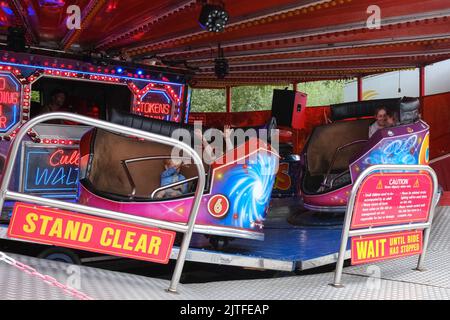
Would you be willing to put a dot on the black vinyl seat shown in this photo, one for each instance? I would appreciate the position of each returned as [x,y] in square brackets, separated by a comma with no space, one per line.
[162,127]
[407,109]
[167,128]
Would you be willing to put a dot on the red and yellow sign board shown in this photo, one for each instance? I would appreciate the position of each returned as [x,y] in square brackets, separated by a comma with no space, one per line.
[367,249]
[393,198]
[79,231]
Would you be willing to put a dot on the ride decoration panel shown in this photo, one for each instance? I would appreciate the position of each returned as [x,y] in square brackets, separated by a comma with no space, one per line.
[156,90]
[157,101]
[10,93]
[239,196]
[287,179]
[10,100]
[50,170]
[406,144]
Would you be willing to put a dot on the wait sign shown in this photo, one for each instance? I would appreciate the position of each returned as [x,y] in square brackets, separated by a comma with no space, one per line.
[368,249]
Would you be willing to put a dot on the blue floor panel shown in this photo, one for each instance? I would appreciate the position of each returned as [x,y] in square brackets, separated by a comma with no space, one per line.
[284,242]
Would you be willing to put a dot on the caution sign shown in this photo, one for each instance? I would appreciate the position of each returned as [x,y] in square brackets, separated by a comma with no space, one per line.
[79,231]
[393,198]
[366,249]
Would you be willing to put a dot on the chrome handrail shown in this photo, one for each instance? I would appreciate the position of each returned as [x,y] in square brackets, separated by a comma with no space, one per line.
[167,186]
[139,159]
[187,228]
[333,160]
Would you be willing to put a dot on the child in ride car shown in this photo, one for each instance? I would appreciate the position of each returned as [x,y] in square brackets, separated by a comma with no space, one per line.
[170,175]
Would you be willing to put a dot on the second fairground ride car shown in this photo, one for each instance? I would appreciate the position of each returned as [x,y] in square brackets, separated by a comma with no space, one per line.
[336,153]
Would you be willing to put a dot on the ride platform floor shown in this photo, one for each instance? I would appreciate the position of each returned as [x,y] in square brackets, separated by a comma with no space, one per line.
[391,280]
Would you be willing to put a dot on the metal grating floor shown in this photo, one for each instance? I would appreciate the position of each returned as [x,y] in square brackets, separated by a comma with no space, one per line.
[395,280]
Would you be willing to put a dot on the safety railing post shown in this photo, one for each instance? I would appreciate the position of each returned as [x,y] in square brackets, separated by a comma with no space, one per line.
[347,233]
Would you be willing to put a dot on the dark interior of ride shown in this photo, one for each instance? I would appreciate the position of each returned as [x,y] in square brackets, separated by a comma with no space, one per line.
[91,99]
[331,148]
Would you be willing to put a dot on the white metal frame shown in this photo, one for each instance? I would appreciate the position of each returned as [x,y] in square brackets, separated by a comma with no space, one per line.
[346,232]
[187,228]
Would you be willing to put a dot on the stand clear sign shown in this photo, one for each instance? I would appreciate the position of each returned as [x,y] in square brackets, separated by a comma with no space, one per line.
[83,232]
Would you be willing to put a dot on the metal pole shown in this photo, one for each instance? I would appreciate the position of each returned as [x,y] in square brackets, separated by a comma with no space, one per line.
[426,234]
[344,238]
[360,88]
[228,99]
[421,81]
[12,155]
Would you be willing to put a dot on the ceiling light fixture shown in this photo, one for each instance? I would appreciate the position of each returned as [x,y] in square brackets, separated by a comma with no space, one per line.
[213,17]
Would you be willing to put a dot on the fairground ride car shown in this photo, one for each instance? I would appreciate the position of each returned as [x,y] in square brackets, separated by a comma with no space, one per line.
[335,154]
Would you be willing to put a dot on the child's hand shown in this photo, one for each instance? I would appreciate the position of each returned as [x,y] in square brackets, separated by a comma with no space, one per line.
[227,131]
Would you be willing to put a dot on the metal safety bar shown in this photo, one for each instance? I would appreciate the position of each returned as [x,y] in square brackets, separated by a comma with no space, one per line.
[171,185]
[333,160]
[140,159]
[346,232]
[187,228]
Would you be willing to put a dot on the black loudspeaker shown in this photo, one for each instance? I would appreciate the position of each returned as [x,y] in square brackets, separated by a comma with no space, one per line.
[288,108]
[16,39]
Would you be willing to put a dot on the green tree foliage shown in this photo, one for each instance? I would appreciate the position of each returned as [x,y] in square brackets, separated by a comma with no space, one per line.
[208,100]
[323,93]
[254,98]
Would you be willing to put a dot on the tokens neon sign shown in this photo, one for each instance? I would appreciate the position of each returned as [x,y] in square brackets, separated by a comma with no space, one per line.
[155,108]
[154,104]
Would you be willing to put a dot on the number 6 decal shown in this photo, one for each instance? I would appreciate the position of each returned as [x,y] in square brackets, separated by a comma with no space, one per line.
[218,206]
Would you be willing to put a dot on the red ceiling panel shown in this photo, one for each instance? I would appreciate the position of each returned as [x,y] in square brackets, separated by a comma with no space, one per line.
[280,29]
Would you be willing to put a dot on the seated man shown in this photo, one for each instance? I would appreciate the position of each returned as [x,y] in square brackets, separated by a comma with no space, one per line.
[380,123]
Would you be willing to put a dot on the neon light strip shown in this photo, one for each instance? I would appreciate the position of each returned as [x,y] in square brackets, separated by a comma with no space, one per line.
[72,196]
[88,73]
[188,105]
[159,92]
